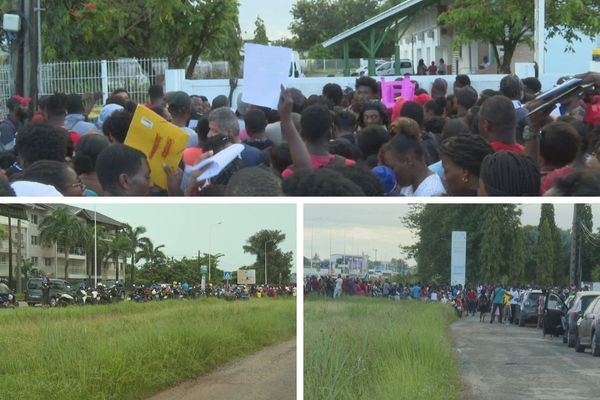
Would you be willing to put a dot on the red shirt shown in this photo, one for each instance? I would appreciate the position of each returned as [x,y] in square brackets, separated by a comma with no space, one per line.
[498,146]
[318,162]
[548,179]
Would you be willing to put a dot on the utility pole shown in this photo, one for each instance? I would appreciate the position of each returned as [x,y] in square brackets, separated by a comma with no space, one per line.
[540,31]
[573,246]
[25,54]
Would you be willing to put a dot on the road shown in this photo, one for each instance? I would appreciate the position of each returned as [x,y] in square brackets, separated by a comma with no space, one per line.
[509,362]
[268,374]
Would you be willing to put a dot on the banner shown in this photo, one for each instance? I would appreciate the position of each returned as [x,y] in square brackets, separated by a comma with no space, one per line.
[458,258]
[246,277]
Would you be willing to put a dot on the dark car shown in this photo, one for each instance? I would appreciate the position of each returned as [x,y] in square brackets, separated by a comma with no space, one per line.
[580,303]
[33,293]
[526,310]
[588,328]
[555,310]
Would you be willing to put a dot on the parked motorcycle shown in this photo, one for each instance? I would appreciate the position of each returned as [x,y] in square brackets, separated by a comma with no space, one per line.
[8,300]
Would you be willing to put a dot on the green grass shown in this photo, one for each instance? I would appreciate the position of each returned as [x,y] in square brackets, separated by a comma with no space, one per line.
[365,348]
[128,350]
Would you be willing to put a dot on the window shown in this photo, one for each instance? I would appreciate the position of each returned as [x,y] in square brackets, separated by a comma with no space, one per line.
[3,259]
[47,262]
[34,219]
[34,260]
[35,240]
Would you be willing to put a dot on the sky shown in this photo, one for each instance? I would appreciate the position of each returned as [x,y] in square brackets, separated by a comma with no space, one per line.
[363,228]
[184,228]
[275,13]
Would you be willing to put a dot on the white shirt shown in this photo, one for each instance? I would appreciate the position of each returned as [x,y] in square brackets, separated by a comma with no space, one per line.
[434,296]
[431,186]
[338,283]
[515,297]
[192,137]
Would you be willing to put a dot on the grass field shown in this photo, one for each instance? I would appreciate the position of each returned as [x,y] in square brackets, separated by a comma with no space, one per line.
[365,348]
[130,351]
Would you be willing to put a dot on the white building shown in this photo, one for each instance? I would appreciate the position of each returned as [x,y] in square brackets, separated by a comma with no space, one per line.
[423,38]
[52,259]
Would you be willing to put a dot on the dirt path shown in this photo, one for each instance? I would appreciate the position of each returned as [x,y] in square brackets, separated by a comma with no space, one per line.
[509,362]
[268,374]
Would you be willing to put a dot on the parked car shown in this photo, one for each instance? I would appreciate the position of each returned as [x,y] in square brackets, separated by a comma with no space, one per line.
[388,68]
[555,311]
[526,311]
[588,328]
[580,303]
[33,293]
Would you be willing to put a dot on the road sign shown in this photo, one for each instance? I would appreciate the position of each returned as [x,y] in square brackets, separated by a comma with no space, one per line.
[227,275]
[203,270]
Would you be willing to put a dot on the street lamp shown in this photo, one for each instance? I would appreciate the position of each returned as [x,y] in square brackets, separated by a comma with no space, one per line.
[210,245]
[267,241]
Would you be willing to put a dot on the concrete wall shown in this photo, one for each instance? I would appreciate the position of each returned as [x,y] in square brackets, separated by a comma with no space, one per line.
[175,80]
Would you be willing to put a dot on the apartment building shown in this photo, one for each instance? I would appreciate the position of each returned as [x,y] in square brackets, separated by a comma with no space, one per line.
[52,259]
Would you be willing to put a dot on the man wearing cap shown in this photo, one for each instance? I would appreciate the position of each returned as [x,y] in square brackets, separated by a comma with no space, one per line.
[17,114]
[180,108]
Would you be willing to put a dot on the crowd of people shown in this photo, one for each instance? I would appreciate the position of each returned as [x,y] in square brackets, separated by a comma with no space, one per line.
[498,301]
[344,142]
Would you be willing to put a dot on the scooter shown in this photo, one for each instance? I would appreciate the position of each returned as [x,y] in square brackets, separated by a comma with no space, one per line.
[9,300]
[62,300]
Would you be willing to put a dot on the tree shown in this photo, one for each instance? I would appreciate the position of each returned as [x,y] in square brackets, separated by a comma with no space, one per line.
[585,226]
[64,229]
[153,255]
[495,243]
[318,20]
[118,248]
[508,23]
[260,32]
[182,31]
[549,248]
[136,241]
[278,263]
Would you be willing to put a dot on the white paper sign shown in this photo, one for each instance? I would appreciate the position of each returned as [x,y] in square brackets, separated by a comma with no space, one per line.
[218,162]
[266,68]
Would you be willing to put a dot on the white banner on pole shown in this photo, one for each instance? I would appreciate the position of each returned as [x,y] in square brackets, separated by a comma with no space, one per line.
[458,258]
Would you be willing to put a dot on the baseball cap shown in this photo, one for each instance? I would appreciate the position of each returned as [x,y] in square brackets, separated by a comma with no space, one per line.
[16,100]
[179,100]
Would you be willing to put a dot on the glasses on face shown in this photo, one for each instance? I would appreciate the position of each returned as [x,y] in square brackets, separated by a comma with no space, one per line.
[79,184]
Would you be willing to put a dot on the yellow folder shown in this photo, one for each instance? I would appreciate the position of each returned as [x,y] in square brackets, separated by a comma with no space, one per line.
[161,142]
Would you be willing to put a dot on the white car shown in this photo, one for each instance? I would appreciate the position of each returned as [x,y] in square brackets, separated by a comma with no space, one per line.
[387,68]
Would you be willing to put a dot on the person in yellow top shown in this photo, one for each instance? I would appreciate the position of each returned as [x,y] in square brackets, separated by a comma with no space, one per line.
[506,300]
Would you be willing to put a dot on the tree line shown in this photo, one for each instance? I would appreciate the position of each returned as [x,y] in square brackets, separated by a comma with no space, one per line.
[499,248]
[143,261]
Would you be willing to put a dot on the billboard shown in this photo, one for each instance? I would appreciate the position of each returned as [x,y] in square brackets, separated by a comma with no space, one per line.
[246,277]
[458,258]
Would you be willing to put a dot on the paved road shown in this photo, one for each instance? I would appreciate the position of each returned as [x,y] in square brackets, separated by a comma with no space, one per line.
[509,362]
[267,374]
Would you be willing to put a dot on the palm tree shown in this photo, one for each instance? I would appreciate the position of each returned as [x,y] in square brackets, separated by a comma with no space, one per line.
[152,255]
[118,248]
[64,229]
[135,242]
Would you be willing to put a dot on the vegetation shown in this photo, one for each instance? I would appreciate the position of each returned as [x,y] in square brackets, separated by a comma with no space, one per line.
[260,32]
[182,31]
[131,351]
[318,20]
[508,23]
[63,228]
[365,348]
[279,264]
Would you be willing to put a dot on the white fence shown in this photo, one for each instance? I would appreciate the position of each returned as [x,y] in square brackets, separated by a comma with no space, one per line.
[5,88]
[102,77]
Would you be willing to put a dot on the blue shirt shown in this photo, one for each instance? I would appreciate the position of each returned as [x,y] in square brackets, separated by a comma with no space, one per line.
[499,295]
[416,292]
